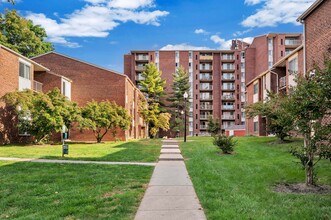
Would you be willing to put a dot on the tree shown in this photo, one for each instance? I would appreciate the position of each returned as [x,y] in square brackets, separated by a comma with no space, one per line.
[104,116]
[177,103]
[42,114]
[22,35]
[274,108]
[214,126]
[153,87]
[310,105]
[225,143]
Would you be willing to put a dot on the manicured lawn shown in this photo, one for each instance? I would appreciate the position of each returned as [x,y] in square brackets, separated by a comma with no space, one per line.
[137,151]
[240,186]
[71,191]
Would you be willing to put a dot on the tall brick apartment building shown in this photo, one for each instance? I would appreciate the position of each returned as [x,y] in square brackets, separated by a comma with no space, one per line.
[216,78]
[317,32]
[272,62]
[90,82]
[16,73]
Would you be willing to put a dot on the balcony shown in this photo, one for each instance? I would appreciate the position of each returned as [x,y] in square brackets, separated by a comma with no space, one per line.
[206,57]
[228,117]
[206,97]
[228,107]
[204,117]
[228,88]
[228,78]
[228,97]
[206,107]
[206,87]
[282,82]
[140,68]
[37,86]
[206,68]
[292,42]
[227,57]
[203,127]
[141,57]
[140,77]
[206,78]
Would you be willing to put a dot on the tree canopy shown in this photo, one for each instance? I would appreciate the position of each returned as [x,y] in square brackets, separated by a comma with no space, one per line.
[22,36]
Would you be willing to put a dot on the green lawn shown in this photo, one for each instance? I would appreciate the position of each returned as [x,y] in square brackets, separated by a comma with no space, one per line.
[137,151]
[71,191]
[240,186]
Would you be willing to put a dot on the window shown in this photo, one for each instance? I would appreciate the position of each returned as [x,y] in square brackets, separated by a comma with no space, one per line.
[256,125]
[196,116]
[64,88]
[189,64]
[156,55]
[190,55]
[293,66]
[281,53]
[24,71]
[256,88]
[281,41]
[151,57]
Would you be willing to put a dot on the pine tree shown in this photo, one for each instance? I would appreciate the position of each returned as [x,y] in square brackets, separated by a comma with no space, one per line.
[177,103]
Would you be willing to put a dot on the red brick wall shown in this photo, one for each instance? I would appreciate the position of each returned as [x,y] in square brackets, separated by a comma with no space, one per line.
[318,36]
[89,83]
[48,80]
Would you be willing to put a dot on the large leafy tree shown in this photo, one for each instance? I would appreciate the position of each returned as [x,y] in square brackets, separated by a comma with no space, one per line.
[42,114]
[274,108]
[22,36]
[153,87]
[101,117]
[310,105]
[177,103]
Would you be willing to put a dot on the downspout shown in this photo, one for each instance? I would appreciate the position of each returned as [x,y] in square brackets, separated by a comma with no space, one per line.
[304,48]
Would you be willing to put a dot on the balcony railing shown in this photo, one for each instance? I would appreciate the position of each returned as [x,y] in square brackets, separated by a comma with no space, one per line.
[204,87]
[206,97]
[205,67]
[227,57]
[228,107]
[228,117]
[292,42]
[37,86]
[140,68]
[203,126]
[282,82]
[206,107]
[206,57]
[227,77]
[204,117]
[228,97]
[142,57]
[207,78]
[140,77]
[228,88]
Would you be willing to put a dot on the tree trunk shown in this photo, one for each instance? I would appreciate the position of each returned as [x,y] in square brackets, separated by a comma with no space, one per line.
[309,167]
[309,175]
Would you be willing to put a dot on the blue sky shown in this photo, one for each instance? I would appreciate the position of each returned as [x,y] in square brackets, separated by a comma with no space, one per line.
[102,31]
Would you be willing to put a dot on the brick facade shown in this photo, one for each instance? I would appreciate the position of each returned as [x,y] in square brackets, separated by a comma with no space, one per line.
[90,82]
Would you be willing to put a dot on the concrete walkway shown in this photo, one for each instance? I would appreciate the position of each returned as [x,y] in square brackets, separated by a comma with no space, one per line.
[74,161]
[170,194]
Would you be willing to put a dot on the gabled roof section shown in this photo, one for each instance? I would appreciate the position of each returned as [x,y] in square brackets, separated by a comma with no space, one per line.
[81,61]
[310,10]
[37,66]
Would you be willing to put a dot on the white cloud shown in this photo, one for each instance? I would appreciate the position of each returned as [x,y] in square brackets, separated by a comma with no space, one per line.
[274,12]
[97,19]
[240,33]
[200,31]
[62,41]
[183,46]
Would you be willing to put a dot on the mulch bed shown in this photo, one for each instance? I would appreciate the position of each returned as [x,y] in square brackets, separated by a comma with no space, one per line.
[301,188]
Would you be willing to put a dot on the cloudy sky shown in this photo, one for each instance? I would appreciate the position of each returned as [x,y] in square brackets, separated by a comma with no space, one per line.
[102,31]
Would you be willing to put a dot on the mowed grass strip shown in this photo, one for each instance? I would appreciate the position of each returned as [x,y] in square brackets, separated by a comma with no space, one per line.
[71,191]
[131,151]
[240,186]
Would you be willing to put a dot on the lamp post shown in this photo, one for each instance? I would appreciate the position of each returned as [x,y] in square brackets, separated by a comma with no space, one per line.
[185,99]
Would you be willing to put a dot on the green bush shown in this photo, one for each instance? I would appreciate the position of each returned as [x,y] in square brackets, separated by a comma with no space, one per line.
[225,143]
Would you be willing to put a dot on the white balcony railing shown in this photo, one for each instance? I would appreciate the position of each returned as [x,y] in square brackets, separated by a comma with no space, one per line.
[206,57]
[292,42]
[206,87]
[204,117]
[140,68]
[225,77]
[227,57]
[203,126]
[140,77]
[228,117]
[228,107]
[202,77]
[142,57]
[206,97]
[37,86]
[228,97]
[206,107]
[228,88]
[203,67]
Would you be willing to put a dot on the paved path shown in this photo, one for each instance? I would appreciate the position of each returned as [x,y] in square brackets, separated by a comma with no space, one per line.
[74,161]
[170,194]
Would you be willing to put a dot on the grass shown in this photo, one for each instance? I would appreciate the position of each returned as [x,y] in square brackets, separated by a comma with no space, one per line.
[137,151]
[240,186]
[70,191]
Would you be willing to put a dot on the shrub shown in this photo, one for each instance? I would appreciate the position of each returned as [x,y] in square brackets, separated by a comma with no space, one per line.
[225,143]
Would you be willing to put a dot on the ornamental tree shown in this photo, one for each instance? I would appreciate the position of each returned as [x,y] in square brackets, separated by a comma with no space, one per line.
[22,36]
[102,117]
[310,105]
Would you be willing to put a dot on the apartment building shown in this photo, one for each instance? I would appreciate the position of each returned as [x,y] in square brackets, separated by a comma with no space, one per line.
[317,33]
[272,63]
[90,82]
[16,74]
[216,78]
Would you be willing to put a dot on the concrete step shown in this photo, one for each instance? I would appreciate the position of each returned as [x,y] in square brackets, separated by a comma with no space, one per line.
[170,151]
[171,157]
[170,147]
